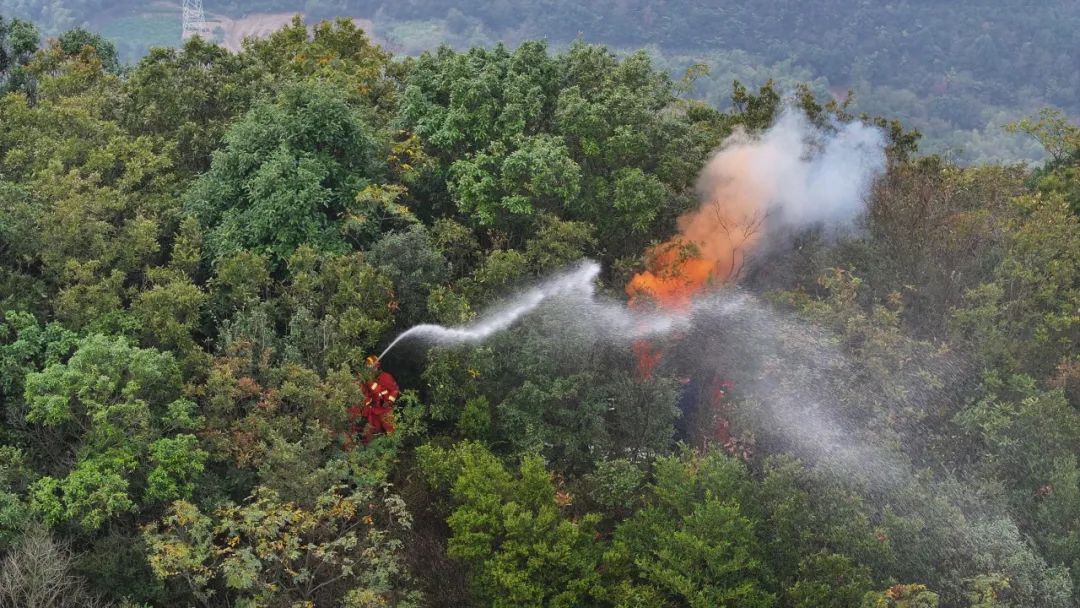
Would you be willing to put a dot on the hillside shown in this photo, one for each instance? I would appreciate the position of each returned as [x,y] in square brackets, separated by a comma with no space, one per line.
[955,71]
[314,324]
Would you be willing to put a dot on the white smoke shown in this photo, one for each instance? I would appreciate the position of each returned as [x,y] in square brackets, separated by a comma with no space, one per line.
[797,174]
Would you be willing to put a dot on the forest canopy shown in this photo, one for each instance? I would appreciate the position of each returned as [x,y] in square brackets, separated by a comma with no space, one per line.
[198,251]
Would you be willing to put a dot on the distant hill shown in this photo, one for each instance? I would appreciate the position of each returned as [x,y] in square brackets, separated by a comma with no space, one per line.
[958,72]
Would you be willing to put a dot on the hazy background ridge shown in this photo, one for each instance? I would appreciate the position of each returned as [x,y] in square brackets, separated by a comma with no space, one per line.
[957,73]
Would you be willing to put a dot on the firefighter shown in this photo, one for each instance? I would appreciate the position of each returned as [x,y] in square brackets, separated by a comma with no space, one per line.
[380,392]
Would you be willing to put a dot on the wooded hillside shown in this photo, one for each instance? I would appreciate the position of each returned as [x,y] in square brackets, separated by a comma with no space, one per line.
[198,251]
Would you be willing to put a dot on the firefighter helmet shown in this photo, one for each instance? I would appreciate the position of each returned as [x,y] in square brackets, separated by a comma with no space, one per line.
[371,361]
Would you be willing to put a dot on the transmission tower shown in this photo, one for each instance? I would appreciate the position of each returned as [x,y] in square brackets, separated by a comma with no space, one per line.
[194,20]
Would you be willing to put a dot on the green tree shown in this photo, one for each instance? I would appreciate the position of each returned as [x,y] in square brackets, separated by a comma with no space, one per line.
[902,596]
[1028,439]
[557,388]
[15,477]
[509,528]
[72,42]
[818,535]
[124,425]
[21,286]
[693,543]
[170,314]
[339,307]
[410,260]
[27,346]
[1051,127]
[1025,318]
[827,580]
[335,52]
[290,170]
[535,174]
[18,42]
[99,198]
[582,135]
[189,96]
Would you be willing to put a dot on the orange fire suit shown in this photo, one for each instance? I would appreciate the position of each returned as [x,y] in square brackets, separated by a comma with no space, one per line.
[377,413]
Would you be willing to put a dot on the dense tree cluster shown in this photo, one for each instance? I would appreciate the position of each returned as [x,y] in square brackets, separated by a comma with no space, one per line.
[197,252]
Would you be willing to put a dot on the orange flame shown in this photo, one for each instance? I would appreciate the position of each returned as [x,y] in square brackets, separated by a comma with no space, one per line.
[710,248]
[675,273]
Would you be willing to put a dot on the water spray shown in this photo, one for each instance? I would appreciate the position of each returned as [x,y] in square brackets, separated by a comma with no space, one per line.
[577,280]
[573,293]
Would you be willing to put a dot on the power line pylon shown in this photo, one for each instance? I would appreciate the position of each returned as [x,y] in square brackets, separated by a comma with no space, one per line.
[194,20]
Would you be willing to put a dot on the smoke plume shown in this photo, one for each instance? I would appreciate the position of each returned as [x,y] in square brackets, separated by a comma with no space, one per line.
[795,175]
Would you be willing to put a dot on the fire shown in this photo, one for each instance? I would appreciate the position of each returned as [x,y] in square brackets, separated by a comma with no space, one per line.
[710,250]
[675,273]
[712,243]
[648,355]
